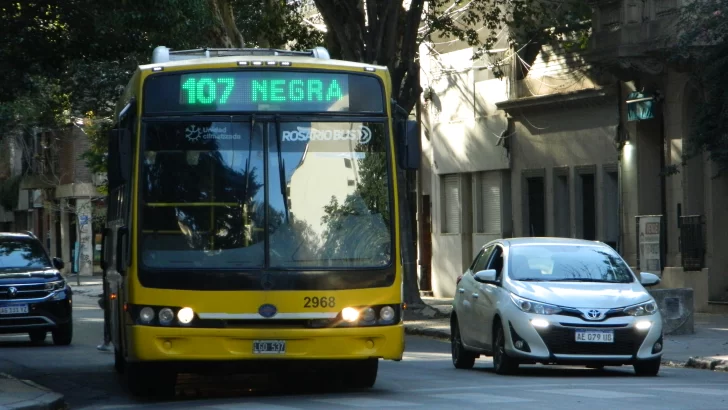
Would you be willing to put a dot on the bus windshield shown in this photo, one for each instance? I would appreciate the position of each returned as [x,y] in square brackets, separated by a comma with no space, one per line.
[229,194]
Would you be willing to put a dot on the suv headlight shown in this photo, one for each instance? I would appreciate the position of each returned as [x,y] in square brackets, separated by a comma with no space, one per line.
[54,286]
[530,306]
[643,309]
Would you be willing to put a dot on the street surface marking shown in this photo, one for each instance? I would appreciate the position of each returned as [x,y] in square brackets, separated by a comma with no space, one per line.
[694,390]
[594,394]
[480,398]
[365,402]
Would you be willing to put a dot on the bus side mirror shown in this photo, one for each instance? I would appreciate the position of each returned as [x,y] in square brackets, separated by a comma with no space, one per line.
[408,144]
[121,249]
[104,238]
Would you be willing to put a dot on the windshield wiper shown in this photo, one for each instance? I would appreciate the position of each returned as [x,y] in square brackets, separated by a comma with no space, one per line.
[281,166]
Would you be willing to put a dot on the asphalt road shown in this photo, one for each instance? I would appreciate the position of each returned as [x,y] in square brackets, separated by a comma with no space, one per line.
[425,379]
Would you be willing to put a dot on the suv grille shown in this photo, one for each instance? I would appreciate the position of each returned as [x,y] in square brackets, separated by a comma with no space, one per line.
[34,291]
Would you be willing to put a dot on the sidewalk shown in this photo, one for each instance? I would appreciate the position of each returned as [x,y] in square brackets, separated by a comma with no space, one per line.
[707,348]
[16,394]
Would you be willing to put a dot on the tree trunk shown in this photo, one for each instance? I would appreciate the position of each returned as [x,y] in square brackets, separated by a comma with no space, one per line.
[225,32]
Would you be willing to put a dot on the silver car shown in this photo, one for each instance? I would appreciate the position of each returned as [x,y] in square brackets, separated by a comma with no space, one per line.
[555,301]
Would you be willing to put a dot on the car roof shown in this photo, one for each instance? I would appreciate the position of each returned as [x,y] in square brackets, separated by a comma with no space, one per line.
[550,241]
[17,235]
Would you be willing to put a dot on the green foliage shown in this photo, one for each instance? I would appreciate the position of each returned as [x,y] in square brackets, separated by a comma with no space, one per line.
[702,46]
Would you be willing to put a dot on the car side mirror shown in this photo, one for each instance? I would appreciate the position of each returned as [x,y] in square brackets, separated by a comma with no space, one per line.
[649,279]
[58,263]
[485,276]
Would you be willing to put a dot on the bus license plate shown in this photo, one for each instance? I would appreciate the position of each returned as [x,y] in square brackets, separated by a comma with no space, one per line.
[269,347]
[13,310]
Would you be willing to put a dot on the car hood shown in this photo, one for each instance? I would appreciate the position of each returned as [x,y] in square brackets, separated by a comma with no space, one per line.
[28,275]
[582,294]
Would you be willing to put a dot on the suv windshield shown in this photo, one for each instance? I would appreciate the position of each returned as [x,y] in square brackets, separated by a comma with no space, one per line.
[222,194]
[19,253]
[567,263]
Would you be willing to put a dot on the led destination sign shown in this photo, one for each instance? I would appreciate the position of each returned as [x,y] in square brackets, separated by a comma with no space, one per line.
[263,91]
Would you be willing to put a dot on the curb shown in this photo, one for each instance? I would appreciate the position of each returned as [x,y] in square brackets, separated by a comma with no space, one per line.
[427,331]
[707,364]
[47,400]
[692,363]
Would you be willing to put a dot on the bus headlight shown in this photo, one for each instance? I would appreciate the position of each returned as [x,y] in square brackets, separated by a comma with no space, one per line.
[369,315]
[146,315]
[166,316]
[386,314]
[185,315]
[350,314]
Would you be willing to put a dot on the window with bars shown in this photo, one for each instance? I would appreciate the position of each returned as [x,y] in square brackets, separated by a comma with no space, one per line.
[451,203]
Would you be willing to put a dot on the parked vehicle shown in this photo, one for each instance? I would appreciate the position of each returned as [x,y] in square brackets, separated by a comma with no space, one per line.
[34,297]
[555,301]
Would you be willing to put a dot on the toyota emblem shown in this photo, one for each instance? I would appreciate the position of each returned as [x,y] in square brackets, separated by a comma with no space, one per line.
[593,314]
[12,292]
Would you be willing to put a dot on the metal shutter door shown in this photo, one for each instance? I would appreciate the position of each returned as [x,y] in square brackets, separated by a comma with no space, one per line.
[490,202]
[451,190]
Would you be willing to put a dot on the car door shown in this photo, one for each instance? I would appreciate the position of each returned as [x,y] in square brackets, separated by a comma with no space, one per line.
[486,299]
[469,324]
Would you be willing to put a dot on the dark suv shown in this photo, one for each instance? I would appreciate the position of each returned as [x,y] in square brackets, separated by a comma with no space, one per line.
[34,297]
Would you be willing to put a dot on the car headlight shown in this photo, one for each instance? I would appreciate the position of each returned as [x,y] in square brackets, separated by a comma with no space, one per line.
[643,309]
[530,306]
[54,286]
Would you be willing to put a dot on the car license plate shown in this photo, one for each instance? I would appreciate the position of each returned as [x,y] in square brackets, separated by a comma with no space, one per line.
[594,336]
[13,309]
[269,347]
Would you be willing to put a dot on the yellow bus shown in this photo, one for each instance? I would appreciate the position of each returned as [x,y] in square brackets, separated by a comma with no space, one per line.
[252,217]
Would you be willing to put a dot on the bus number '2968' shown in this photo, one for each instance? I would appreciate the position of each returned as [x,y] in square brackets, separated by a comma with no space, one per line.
[315,302]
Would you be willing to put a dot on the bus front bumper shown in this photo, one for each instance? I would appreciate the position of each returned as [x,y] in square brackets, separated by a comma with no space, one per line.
[149,343]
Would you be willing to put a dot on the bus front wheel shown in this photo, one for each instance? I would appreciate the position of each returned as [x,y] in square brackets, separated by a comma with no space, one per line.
[145,380]
[363,374]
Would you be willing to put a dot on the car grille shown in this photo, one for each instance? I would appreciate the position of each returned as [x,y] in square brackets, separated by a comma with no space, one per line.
[561,340]
[35,291]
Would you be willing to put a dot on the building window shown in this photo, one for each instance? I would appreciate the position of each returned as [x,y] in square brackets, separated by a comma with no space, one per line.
[586,221]
[347,162]
[534,221]
[451,203]
[562,203]
[488,202]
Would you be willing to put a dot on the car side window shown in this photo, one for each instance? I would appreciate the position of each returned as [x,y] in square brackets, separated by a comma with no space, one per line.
[496,262]
[480,262]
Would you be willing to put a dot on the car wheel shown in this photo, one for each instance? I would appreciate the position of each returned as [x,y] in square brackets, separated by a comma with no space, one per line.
[143,380]
[37,336]
[63,335]
[461,358]
[647,367]
[363,374]
[502,363]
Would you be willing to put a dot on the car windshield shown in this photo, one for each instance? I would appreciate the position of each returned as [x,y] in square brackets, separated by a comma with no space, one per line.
[18,253]
[567,263]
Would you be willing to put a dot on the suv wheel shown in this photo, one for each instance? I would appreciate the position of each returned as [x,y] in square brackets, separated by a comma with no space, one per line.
[63,335]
